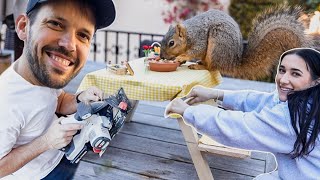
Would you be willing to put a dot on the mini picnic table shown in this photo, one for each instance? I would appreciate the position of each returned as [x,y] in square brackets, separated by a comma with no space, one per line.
[162,86]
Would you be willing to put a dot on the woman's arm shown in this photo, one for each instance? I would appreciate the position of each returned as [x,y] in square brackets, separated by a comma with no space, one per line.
[247,100]
[268,130]
[244,100]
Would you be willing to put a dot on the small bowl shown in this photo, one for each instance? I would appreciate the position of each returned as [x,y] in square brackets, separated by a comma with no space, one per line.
[163,66]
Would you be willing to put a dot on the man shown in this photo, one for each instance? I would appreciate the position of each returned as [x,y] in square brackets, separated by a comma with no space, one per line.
[57,36]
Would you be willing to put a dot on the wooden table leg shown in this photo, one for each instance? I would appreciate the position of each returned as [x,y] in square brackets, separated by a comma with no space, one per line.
[199,161]
[134,104]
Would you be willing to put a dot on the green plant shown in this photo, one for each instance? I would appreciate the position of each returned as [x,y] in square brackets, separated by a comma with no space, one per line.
[244,11]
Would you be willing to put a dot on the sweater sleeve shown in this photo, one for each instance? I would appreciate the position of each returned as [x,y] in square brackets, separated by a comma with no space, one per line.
[268,130]
[247,100]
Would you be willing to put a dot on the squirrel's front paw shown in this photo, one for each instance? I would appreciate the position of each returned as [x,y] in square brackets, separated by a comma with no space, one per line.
[180,59]
[197,67]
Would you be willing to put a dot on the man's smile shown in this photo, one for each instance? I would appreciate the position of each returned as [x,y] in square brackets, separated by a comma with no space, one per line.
[60,61]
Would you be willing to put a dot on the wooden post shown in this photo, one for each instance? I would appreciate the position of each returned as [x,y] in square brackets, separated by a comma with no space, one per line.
[198,159]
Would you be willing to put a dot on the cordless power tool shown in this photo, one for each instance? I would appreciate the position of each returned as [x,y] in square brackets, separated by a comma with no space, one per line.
[102,120]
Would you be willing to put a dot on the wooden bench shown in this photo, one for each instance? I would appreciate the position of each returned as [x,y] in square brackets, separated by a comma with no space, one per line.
[199,146]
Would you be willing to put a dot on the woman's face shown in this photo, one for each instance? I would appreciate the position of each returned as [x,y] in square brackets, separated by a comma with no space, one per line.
[293,74]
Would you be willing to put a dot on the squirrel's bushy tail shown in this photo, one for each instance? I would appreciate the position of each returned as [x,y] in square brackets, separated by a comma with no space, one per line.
[274,31]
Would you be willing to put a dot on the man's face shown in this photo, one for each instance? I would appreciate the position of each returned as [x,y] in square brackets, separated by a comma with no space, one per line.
[58,42]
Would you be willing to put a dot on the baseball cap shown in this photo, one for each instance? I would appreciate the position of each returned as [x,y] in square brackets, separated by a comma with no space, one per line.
[104,11]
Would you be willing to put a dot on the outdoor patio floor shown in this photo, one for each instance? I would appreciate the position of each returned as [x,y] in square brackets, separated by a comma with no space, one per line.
[152,147]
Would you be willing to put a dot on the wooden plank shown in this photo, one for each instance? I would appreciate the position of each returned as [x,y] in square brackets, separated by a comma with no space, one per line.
[156,103]
[152,166]
[143,164]
[177,152]
[198,159]
[155,121]
[89,170]
[153,118]
[224,151]
[153,132]
[172,124]
[168,135]
[152,110]
[207,144]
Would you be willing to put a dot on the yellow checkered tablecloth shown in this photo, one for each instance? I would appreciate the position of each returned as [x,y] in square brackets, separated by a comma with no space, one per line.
[151,85]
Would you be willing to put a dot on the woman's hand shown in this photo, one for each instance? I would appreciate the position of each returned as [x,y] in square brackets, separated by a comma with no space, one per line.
[202,94]
[91,94]
[177,106]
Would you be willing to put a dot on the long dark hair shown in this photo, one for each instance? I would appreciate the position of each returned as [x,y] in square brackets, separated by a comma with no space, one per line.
[304,105]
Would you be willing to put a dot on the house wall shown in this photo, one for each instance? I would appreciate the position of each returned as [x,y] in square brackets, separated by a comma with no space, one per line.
[140,16]
[143,16]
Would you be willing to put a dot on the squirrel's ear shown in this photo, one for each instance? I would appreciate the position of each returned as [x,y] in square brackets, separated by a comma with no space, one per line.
[181,30]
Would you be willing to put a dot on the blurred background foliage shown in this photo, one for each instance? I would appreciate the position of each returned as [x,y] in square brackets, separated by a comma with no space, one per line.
[243,11]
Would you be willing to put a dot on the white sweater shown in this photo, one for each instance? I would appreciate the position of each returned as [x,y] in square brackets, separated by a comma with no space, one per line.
[258,121]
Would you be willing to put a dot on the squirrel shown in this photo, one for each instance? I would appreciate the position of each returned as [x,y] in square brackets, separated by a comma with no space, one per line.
[214,38]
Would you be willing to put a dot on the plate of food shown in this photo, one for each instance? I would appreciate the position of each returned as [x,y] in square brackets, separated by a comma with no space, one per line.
[152,54]
[163,65]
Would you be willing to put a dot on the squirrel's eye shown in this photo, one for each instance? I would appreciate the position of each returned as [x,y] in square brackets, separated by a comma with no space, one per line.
[171,43]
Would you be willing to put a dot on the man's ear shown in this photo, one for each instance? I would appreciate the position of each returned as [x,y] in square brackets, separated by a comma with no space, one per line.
[21,26]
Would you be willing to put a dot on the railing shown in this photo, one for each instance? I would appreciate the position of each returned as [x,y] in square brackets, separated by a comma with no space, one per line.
[114,46]
[109,45]
[1,39]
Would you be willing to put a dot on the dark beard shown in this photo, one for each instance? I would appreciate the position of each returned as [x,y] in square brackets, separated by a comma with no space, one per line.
[41,72]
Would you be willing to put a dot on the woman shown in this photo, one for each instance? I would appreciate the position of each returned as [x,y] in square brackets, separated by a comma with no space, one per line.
[285,122]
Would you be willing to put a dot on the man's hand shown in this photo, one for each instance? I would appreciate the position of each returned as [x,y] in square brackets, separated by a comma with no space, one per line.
[91,94]
[67,102]
[56,137]
[60,135]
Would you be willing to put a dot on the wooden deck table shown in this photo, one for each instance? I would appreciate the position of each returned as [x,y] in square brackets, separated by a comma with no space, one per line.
[159,86]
